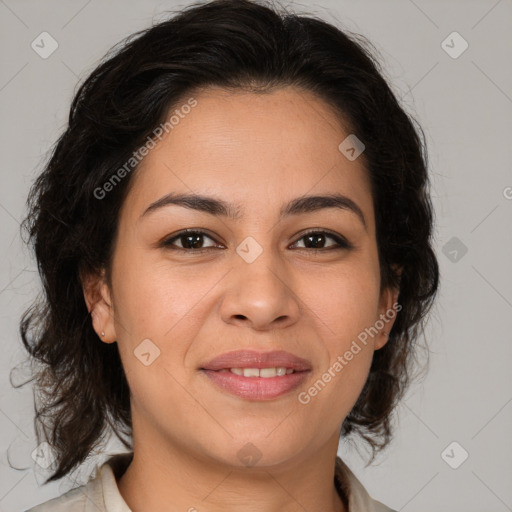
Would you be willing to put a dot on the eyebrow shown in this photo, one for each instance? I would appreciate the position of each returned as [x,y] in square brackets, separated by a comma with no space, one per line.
[218,207]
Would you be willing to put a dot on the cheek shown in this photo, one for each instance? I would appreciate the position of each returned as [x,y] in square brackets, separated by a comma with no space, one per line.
[337,384]
[345,300]
[151,297]
[345,304]
[160,310]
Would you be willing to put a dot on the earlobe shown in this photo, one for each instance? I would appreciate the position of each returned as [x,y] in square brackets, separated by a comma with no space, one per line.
[99,304]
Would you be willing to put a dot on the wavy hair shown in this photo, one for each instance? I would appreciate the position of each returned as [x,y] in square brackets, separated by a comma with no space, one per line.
[235,44]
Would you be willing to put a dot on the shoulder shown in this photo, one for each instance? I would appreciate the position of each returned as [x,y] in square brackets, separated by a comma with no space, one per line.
[358,498]
[100,494]
[73,501]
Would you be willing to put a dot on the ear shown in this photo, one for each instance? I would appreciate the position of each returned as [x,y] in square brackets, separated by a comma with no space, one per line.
[99,304]
[388,310]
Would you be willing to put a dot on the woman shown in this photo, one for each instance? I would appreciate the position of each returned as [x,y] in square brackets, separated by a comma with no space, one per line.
[234,238]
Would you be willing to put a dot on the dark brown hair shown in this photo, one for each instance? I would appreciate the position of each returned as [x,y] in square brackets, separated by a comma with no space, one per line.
[234,44]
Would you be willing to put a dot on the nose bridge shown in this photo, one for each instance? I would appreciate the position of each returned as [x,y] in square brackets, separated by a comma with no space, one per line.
[259,266]
[259,289]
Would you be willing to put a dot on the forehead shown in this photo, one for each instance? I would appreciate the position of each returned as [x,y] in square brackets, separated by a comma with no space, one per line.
[257,148]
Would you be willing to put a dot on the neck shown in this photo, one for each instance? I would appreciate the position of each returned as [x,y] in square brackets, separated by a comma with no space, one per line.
[178,481]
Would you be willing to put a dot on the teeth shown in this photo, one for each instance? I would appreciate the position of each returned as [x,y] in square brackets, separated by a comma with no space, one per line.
[263,372]
[269,372]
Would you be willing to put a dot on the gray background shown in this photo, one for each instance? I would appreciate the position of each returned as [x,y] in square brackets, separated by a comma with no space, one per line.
[464,105]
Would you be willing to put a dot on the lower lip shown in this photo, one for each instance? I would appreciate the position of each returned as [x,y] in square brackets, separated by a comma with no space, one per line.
[256,388]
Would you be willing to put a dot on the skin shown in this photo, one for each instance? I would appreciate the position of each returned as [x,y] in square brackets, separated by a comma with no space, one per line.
[260,150]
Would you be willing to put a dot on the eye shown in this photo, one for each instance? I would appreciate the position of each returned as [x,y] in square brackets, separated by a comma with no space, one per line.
[318,238]
[190,240]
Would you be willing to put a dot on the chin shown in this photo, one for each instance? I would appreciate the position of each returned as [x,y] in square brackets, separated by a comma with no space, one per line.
[258,450]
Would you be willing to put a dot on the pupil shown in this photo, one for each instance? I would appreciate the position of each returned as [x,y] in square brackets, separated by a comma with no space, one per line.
[313,237]
[196,241]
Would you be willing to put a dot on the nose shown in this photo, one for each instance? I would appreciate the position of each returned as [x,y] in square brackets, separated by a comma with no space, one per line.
[260,294]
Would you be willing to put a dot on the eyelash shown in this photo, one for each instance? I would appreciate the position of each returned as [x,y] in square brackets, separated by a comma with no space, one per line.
[341,241]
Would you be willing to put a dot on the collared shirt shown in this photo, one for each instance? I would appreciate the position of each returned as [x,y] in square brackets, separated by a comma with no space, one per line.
[101,493]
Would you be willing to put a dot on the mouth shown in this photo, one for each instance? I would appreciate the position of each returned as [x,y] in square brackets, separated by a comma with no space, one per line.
[259,376]
[264,373]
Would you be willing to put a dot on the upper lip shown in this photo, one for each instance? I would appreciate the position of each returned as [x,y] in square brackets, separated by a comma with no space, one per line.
[256,359]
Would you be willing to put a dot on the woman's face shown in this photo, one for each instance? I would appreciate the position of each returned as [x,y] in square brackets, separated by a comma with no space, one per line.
[254,283]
